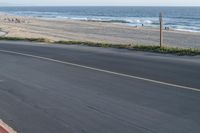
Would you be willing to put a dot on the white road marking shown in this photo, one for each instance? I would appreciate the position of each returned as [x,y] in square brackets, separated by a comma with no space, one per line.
[105,71]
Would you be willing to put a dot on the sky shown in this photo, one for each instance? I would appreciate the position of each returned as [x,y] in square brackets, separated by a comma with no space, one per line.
[100,2]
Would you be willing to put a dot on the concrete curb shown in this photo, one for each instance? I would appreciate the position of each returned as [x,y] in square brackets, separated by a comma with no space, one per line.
[4,128]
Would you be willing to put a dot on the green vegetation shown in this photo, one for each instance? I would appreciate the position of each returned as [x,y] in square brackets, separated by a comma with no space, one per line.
[94,44]
[168,50]
[152,48]
[24,39]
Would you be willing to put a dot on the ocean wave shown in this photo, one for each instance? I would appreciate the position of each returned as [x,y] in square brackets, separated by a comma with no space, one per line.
[115,20]
[186,17]
[187,30]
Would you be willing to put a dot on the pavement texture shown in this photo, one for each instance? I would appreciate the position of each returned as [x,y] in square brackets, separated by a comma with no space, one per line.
[44,96]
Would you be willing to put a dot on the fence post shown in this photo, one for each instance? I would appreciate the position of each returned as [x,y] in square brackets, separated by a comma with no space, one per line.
[161,29]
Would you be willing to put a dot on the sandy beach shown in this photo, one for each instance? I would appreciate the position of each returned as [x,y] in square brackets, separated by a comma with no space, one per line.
[76,30]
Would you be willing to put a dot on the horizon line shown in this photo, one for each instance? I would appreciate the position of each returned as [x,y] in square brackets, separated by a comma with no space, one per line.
[99,6]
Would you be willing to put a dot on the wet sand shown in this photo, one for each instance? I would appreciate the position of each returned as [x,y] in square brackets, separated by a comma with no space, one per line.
[75,30]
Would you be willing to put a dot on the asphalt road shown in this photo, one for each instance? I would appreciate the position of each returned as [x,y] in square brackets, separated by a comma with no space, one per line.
[77,89]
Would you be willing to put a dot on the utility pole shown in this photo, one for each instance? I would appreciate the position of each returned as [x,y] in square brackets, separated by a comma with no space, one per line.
[161,29]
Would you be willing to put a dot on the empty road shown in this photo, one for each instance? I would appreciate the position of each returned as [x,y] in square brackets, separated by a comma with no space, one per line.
[79,89]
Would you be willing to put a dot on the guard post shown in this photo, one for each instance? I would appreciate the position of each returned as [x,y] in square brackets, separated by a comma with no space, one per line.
[161,29]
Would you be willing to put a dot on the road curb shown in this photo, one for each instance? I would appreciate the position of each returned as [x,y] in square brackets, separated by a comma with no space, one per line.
[4,128]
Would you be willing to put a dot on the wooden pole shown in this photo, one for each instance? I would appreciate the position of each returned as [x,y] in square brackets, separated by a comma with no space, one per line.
[161,29]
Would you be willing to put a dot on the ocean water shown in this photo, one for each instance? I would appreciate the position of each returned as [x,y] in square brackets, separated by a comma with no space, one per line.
[177,18]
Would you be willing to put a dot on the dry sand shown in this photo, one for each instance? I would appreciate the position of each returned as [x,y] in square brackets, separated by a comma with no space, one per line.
[75,30]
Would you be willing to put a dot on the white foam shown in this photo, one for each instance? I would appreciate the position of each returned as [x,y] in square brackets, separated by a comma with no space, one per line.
[148,22]
[187,30]
[2,33]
